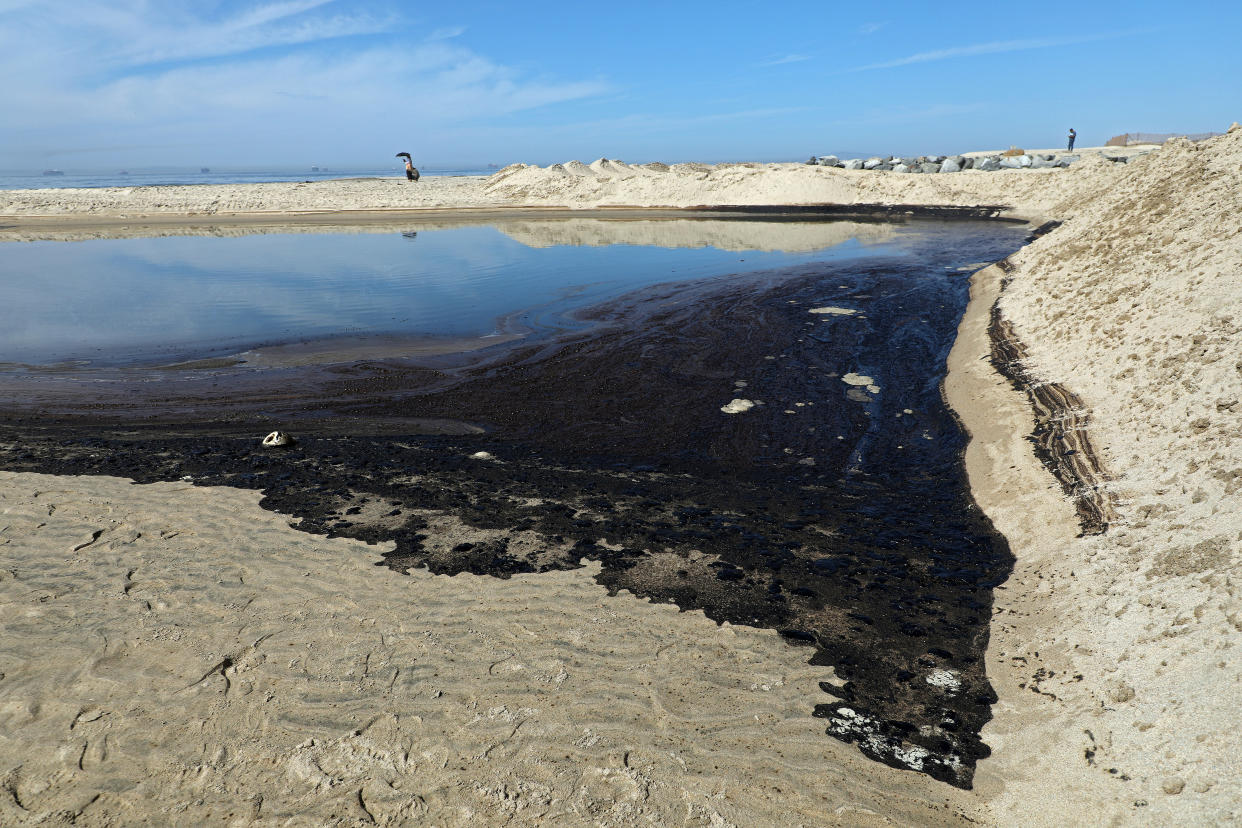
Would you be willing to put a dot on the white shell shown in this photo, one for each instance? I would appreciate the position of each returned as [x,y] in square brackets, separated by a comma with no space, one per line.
[277,438]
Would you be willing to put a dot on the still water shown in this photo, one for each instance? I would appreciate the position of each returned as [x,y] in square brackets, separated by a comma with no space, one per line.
[150,300]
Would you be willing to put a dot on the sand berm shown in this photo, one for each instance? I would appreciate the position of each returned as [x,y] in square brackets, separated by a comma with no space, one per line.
[177,654]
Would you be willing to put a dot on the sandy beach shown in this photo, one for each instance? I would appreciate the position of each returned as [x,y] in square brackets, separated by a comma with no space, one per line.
[174,653]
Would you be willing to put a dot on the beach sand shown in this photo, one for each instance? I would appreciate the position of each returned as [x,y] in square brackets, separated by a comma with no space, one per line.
[177,653]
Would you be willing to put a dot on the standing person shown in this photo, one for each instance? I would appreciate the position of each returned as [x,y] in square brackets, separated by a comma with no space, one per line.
[411,174]
[1072,136]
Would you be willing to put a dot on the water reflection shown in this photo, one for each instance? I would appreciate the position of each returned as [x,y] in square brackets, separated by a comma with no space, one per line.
[200,292]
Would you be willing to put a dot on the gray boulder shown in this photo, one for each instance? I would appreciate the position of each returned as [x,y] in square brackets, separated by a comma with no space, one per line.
[911,162]
[968,163]
[903,168]
[950,165]
[853,164]
[829,161]
[1042,164]
[1066,160]
[1016,162]
[873,162]
[882,167]
[989,164]
[929,167]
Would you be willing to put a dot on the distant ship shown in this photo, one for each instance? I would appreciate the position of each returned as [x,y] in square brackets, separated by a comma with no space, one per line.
[123,172]
[204,169]
[314,168]
[53,172]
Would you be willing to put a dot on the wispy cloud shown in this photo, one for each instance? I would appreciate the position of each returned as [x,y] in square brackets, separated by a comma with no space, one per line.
[133,33]
[993,48]
[447,33]
[781,61]
[268,79]
[870,28]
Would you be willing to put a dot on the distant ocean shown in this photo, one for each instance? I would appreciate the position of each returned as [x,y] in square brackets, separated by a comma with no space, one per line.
[69,177]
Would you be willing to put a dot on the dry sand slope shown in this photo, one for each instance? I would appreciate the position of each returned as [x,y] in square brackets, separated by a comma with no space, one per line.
[1115,655]
[1124,645]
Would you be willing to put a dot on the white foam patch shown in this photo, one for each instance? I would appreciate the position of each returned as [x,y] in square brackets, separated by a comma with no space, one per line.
[737,406]
[829,309]
[946,680]
[857,379]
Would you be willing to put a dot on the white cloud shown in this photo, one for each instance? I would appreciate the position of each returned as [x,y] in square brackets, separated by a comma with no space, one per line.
[781,61]
[132,73]
[447,33]
[996,47]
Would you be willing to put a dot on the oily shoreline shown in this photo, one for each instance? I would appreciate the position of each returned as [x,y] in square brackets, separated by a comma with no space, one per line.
[938,631]
[1110,653]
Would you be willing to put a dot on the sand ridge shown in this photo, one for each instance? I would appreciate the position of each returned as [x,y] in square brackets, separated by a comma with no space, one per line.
[1127,640]
[577,186]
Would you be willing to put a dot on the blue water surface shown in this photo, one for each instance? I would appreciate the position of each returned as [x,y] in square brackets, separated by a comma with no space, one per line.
[146,300]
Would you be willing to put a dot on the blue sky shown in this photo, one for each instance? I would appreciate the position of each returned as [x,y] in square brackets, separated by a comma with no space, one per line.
[346,83]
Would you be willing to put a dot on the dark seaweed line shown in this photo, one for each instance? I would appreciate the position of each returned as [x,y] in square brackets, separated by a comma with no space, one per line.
[1060,435]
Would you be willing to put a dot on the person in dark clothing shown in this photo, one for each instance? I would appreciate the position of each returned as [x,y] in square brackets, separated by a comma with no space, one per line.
[411,174]
[1072,136]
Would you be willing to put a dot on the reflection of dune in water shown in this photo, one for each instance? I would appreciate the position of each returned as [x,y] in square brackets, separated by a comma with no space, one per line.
[723,234]
[139,230]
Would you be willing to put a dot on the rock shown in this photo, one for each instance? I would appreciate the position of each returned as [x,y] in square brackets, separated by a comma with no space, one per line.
[1066,160]
[929,167]
[1047,157]
[1173,785]
[950,166]
[901,168]
[968,163]
[853,164]
[278,439]
[882,167]
[873,162]
[1042,164]
[829,161]
[911,162]
[812,161]
[482,455]
[1016,162]
[989,164]
[960,160]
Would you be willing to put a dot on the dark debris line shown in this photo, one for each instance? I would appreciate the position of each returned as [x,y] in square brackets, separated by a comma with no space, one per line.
[846,525]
